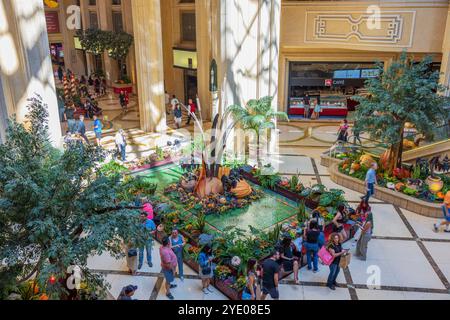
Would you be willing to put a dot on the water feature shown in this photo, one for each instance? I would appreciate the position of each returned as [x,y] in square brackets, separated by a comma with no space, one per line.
[261,214]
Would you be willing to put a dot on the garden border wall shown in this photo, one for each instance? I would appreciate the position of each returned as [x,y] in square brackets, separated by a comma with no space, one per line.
[431,210]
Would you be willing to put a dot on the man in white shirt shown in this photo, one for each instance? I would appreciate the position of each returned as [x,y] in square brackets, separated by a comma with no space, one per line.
[167,102]
[121,144]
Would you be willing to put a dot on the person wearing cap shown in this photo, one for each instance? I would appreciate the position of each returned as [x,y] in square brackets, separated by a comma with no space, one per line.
[177,243]
[127,292]
[168,265]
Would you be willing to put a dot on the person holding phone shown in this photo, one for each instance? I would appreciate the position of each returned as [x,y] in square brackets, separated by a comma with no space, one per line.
[335,249]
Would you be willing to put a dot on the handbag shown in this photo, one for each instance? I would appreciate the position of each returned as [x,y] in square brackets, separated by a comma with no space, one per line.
[206,271]
[246,295]
[325,256]
[357,234]
[345,260]
[132,253]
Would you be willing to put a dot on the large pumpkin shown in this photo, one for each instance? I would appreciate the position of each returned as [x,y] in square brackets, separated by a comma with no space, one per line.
[242,190]
[355,166]
[366,160]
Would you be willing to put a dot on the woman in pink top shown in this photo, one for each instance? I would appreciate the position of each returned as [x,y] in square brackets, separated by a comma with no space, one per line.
[342,132]
[168,264]
[148,208]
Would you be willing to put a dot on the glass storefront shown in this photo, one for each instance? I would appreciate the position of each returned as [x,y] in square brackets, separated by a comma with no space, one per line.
[330,84]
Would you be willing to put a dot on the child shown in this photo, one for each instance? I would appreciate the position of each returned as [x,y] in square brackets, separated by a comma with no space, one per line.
[446,211]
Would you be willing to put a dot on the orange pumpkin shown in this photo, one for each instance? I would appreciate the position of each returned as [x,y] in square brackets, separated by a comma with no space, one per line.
[43,297]
[355,166]
[366,160]
[399,186]
[440,195]
[345,166]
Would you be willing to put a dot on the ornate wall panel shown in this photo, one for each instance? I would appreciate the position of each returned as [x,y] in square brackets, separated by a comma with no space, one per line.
[392,28]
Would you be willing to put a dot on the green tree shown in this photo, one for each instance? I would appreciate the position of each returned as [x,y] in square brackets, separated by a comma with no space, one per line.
[97,41]
[257,115]
[56,209]
[406,92]
[118,47]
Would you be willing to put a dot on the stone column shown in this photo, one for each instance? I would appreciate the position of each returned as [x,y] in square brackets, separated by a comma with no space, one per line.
[3,115]
[249,53]
[149,58]
[203,17]
[445,65]
[25,64]
[73,58]
[250,31]
[105,23]
[128,27]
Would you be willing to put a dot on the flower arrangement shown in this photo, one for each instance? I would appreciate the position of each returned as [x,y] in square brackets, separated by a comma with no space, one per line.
[222,272]
[409,182]
[236,261]
[240,283]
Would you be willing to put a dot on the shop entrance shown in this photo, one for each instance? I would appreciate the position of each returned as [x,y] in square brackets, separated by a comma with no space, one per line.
[57,54]
[329,84]
[190,85]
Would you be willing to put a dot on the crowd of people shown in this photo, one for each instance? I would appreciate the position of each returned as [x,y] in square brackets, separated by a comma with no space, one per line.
[262,279]
[174,107]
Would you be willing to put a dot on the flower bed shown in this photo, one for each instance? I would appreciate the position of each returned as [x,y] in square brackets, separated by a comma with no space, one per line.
[233,247]
[416,182]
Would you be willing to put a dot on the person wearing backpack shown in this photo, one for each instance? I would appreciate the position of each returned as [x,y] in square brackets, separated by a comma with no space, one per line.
[131,253]
[334,247]
[205,259]
[311,244]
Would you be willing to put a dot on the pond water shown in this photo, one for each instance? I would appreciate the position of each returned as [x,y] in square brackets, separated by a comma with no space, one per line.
[261,214]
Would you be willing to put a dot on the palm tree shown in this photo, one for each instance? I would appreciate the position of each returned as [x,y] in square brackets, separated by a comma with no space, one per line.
[257,116]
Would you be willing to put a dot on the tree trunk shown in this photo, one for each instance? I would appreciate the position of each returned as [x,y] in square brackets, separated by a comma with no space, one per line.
[396,153]
[258,150]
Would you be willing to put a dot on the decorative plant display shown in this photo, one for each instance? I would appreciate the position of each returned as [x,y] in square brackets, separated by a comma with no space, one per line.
[134,186]
[113,168]
[256,116]
[117,45]
[420,181]
[158,155]
[214,203]
[406,93]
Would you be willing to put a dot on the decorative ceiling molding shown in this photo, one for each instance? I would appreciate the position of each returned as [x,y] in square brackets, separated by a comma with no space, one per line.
[357,28]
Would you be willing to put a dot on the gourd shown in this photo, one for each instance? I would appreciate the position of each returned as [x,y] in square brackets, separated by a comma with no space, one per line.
[399,186]
[366,160]
[355,166]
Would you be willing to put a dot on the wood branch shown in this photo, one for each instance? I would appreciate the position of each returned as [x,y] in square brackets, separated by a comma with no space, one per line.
[35,269]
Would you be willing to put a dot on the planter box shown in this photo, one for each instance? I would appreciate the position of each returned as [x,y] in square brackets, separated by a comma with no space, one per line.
[193,265]
[284,192]
[327,161]
[122,87]
[432,210]
[154,165]
[231,293]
